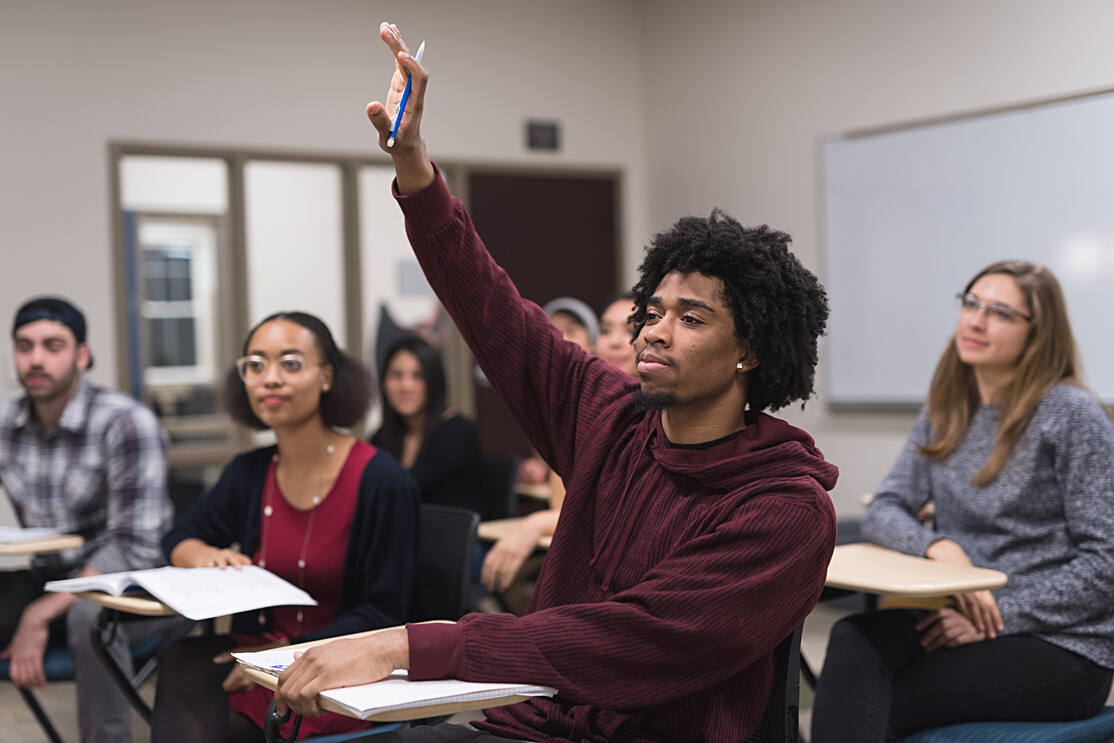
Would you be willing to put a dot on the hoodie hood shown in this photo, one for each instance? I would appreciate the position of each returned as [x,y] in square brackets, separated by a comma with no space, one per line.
[768,449]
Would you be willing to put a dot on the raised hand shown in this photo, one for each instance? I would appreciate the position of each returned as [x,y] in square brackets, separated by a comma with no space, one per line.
[412,166]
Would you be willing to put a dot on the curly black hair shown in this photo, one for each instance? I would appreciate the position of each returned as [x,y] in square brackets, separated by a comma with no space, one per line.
[347,400]
[778,305]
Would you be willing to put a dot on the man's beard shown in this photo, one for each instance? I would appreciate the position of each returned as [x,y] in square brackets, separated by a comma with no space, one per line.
[58,387]
[653,400]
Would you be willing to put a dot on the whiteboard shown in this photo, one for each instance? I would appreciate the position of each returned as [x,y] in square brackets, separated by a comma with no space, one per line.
[909,215]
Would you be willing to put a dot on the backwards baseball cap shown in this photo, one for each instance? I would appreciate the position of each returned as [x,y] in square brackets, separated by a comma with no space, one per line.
[52,308]
[581,312]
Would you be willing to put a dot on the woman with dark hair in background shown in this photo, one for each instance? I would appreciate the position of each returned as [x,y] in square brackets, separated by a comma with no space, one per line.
[1019,460]
[440,449]
[327,512]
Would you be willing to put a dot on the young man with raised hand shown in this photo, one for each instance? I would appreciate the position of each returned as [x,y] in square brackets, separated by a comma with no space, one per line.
[88,461]
[696,531]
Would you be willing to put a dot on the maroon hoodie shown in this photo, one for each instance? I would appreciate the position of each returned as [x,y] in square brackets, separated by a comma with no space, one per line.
[674,572]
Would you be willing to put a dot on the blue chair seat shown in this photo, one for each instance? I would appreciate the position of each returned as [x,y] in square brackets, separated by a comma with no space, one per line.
[57,665]
[1092,730]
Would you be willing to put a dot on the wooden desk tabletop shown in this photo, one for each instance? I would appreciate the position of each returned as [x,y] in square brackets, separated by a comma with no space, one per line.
[147,607]
[268,681]
[493,531]
[42,546]
[539,491]
[874,569]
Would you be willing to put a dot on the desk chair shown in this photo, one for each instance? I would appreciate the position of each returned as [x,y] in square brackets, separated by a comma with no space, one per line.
[781,720]
[1093,730]
[501,501]
[58,666]
[442,587]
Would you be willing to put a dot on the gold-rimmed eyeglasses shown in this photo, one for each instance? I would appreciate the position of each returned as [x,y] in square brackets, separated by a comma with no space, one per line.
[969,303]
[253,369]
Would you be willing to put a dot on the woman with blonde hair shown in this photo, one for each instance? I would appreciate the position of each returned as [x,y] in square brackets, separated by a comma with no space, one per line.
[1019,460]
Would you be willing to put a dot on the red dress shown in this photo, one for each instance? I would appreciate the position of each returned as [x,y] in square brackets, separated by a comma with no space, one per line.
[322,534]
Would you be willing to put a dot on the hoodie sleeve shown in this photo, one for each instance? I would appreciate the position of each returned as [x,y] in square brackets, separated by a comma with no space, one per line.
[676,632]
[891,517]
[552,388]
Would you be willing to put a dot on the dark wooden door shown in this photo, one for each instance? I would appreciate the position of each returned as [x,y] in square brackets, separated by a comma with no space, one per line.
[555,236]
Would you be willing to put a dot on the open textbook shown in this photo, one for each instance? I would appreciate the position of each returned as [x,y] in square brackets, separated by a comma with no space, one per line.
[197,593]
[397,691]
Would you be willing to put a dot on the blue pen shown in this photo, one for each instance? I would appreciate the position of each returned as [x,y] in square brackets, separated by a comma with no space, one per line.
[405,97]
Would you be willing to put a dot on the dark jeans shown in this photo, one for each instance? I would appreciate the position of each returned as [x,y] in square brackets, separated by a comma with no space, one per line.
[190,704]
[879,685]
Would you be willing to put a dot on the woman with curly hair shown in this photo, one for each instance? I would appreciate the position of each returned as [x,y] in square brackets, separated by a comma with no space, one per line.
[327,512]
[1017,457]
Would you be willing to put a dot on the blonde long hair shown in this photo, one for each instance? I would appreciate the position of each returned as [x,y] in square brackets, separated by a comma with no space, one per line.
[1050,358]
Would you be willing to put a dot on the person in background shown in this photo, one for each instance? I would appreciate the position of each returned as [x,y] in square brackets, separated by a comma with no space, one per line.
[615,345]
[578,325]
[84,460]
[328,513]
[438,447]
[1019,459]
[507,556]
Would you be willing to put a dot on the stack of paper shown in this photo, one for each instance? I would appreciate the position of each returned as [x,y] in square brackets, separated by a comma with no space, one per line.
[396,692]
[197,593]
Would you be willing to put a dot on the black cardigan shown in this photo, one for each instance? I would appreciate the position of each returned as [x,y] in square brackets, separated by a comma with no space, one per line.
[381,560]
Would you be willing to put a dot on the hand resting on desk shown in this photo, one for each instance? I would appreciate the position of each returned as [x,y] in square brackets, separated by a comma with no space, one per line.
[344,662]
[979,607]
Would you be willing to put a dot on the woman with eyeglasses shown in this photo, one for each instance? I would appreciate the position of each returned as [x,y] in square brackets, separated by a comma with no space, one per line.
[1018,458]
[321,509]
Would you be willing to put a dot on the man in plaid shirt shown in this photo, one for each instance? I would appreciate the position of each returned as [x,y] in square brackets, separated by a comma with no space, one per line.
[88,461]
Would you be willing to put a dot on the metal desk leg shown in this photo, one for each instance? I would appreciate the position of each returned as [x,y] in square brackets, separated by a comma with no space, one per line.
[40,715]
[108,624]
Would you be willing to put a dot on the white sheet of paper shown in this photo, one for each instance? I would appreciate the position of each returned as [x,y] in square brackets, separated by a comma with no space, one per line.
[396,692]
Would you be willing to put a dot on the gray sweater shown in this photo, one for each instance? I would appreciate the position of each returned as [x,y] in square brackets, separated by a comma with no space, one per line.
[1047,521]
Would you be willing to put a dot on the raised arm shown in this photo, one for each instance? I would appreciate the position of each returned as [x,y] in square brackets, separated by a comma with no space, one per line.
[553,389]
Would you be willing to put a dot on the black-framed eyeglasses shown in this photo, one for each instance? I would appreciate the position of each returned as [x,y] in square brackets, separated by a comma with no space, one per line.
[995,310]
[253,369]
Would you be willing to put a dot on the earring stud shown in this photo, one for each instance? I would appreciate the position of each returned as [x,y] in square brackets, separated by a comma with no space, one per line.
[739,366]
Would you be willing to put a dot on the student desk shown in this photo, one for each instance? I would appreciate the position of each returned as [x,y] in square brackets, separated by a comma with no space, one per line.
[108,623]
[493,531]
[42,546]
[871,569]
[540,491]
[417,713]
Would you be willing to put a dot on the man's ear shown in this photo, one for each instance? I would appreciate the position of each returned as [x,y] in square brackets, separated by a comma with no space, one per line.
[83,356]
[747,360]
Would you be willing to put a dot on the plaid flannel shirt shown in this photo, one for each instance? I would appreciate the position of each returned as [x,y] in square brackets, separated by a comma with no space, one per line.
[101,474]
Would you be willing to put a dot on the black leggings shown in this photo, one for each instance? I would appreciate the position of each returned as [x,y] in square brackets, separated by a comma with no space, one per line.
[190,704]
[879,685]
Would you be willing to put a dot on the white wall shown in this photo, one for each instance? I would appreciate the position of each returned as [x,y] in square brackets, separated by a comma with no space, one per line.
[740,91]
[700,103]
[283,74]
